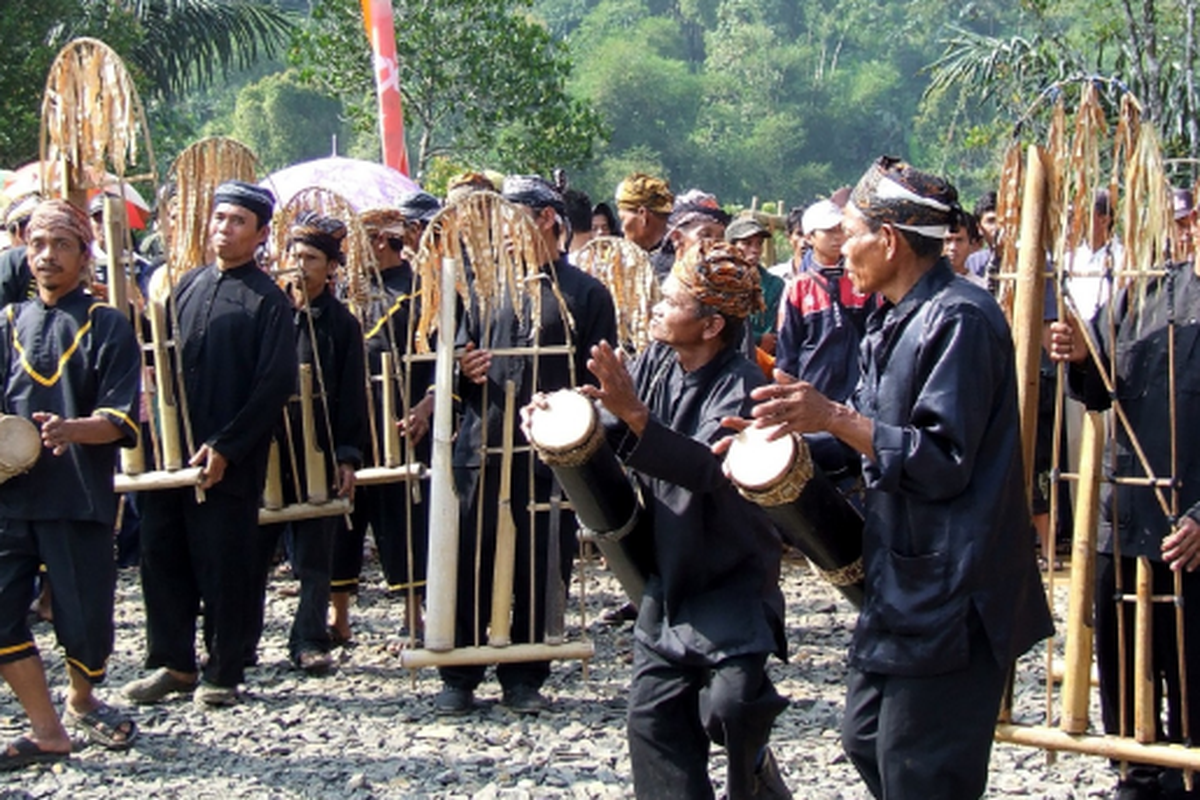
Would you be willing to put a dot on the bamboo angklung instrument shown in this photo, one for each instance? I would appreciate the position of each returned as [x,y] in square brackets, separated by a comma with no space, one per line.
[1138,191]
[507,259]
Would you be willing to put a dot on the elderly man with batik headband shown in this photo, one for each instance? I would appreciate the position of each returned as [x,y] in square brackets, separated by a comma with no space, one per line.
[397,515]
[71,367]
[235,356]
[952,593]
[329,340]
[712,611]
[590,313]
[643,205]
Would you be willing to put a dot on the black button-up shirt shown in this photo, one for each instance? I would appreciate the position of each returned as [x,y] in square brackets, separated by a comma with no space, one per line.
[77,358]
[237,356]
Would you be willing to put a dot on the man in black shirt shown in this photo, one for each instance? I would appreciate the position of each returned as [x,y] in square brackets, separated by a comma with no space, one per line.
[329,340]
[236,359]
[712,611]
[589,307]
[72,367]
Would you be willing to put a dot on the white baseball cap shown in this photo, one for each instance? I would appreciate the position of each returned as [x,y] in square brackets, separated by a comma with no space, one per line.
[821,216]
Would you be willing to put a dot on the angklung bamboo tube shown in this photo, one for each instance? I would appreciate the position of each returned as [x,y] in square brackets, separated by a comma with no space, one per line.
[133,459]
[1078,663]
[1144,707]
[316,485]
[1028,302]
[168,409]
[391,433]
[504,564]
[273,489]
[442,582]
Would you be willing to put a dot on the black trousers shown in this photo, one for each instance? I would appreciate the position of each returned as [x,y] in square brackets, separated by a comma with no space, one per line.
[191,552]
[312,564]
[676,710]
[925,737]
[1164,656]
[529,579]
[402,540]
[81,563]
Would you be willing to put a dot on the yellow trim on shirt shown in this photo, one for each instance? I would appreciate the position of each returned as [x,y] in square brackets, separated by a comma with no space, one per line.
[395,307]
[62,362]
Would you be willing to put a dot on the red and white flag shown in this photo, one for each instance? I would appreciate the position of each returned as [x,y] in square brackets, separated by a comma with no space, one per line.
[377,16]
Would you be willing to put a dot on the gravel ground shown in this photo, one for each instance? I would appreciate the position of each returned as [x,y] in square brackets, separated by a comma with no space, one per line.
[368,730]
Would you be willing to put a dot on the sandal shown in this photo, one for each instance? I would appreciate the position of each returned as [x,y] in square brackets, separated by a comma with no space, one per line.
[104,725]
[25,752]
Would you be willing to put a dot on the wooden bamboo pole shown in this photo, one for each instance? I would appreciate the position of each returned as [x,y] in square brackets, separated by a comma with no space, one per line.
[500,629]
[1144,707]
[515,653]
[168,410]
[1028,303]
[273,488]
[316,483]
[1117,748]
[375,476]
[149,481]
[299,511]
[391,433]
[1080,622]
[442,572]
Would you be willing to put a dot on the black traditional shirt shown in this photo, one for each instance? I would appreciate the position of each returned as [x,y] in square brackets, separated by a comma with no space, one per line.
[338,349]
[391,311]
[591,309]
[1143,389]
[713,591]
[77,358]
[947,533]
[16,279]
[237,355]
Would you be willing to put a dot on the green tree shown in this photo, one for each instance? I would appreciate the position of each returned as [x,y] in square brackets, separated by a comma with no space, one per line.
[285,122]
[481,82]
[170,46]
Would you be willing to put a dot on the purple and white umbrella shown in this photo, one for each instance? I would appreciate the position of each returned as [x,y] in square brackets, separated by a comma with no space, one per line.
[365,184]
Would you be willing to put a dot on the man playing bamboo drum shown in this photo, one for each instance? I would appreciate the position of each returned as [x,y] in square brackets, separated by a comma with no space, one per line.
[1133,523]
[71,366]
[328,339]
[712,611]
[952,594]
[590,308]
[236,358]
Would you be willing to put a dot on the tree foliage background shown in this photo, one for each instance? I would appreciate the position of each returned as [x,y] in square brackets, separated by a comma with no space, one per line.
[768,99]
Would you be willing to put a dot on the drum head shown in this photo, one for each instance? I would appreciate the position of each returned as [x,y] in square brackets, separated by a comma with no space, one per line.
[565,425]
[20,443]
[755,463]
